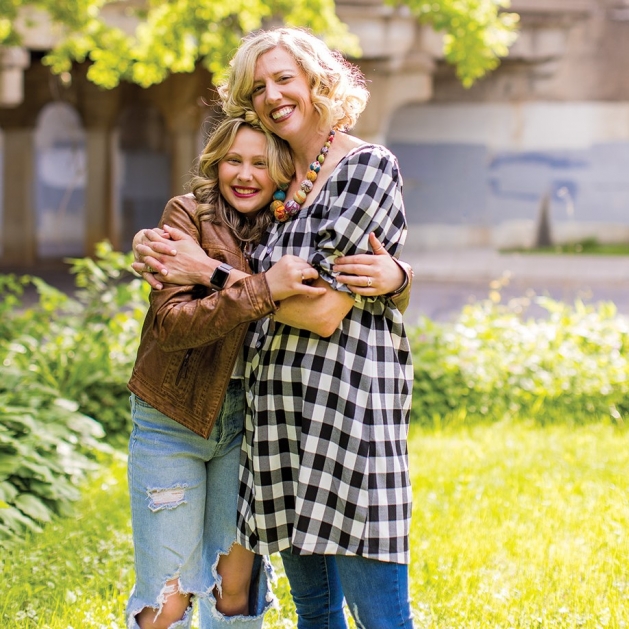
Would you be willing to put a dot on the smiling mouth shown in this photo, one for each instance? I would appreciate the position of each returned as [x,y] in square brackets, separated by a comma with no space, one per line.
[282,112]
[245,192]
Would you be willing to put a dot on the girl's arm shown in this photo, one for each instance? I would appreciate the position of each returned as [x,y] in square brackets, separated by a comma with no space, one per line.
[191,314]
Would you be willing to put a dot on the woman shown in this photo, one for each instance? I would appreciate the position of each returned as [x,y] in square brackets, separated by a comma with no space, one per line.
[188,398]
[325,474]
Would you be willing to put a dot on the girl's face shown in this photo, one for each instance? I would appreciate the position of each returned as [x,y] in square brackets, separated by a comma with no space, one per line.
[281,95]
[243,174]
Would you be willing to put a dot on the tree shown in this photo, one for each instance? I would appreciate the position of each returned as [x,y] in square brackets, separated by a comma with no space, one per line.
[477,33]
[172,36]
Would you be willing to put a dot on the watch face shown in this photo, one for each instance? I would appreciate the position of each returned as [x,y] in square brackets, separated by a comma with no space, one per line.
[219,277]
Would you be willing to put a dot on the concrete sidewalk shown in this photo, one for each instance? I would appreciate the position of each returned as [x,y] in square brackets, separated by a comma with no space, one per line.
[445,281]
[484,265]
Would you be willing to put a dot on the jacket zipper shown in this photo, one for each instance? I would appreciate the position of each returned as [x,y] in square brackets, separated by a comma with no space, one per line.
[183,370]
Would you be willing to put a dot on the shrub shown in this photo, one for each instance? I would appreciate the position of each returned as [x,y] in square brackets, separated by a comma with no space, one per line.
[82,346]
[44,446]
[492,363]
[63,362]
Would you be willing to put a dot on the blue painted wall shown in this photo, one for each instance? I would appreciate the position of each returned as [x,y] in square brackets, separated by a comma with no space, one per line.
[461,184]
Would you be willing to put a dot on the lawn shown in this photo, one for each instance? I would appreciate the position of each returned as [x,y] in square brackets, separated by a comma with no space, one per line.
[514,526]
[589,246]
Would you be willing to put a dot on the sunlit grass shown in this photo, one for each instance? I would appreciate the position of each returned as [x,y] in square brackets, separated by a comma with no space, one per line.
[521,527]
[588,246]
[513,526]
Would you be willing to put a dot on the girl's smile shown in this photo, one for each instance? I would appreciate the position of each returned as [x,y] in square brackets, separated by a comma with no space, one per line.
[243,175]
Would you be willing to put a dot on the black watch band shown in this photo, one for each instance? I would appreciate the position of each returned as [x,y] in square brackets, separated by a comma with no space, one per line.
[220,276]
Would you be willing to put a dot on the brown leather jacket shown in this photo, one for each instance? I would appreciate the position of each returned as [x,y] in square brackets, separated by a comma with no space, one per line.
[192,335]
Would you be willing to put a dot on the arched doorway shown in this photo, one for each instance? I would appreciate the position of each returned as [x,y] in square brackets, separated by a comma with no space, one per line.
[60,178]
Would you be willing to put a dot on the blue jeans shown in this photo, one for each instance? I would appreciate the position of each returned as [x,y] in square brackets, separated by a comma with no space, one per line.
[376,591]
[184,492]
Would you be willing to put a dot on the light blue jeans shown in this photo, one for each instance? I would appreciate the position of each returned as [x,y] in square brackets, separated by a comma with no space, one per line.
[184,492]
[376,591]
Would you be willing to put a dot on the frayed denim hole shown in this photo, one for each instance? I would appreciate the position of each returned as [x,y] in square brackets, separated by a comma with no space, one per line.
[166,498]
[172,586]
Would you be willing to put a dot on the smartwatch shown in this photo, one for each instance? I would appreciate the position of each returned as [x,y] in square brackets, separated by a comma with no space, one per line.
[220,276]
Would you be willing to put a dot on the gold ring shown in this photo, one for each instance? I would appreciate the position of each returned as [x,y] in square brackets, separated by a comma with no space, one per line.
[150,269]
[302,276]
[368,281]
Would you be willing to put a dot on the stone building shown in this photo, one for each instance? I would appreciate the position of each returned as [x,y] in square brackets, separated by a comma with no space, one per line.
[80,164]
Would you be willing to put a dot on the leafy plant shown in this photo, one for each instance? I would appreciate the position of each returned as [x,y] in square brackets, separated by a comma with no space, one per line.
[44,446]
[64,367]
[477,33]
[83,346]
[572,366]
[174,37]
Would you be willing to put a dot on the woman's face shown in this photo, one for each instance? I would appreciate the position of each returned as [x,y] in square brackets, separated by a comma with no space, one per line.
[243,174]
[281,95]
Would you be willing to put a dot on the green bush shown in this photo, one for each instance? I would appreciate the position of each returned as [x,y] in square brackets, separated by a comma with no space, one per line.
[82,346]
[492,362]
[44,448]
[64,366]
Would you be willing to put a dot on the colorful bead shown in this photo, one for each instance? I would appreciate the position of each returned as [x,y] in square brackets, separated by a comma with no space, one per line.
[300,196]
[283,210]
[292,207]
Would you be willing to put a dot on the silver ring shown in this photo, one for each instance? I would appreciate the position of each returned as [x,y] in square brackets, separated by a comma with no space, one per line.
[369,282]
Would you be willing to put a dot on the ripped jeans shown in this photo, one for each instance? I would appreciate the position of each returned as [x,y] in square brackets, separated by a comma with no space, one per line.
[184,492]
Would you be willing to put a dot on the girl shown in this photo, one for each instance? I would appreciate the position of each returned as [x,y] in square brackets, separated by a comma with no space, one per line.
[187,395]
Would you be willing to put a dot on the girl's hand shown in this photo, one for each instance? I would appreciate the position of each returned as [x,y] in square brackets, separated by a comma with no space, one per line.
[290,276]
[370,275]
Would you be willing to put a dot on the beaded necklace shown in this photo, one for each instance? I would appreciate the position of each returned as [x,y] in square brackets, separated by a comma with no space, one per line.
[283,210]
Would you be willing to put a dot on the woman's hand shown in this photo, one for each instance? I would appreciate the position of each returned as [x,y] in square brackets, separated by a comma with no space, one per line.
[147,244]
[287,276]
[370,275]
[171,255]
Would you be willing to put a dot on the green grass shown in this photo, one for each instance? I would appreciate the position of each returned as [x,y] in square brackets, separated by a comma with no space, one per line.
[589,246]
[514,526]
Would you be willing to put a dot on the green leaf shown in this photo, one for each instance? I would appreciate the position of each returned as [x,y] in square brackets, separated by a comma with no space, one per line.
[33,507]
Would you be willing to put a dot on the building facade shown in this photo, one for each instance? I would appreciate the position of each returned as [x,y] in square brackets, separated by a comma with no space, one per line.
[549,128]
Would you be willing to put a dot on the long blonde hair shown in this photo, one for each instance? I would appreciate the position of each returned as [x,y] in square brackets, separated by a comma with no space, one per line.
[204,184]
[337,87]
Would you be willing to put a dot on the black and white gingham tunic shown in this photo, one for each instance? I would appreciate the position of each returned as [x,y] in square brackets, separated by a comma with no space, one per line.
[325,466]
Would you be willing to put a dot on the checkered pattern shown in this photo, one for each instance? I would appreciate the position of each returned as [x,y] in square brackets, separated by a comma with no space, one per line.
[324,460]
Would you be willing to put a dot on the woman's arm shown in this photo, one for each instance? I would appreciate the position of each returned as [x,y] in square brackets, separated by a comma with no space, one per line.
[368,198]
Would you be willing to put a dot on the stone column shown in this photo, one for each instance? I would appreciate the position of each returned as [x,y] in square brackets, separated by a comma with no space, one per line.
[99,109]
[19,237]
[182,101]
[13,61]
[397,61]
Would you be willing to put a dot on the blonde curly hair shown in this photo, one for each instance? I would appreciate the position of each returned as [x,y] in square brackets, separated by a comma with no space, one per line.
[337,87]
[204,184]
